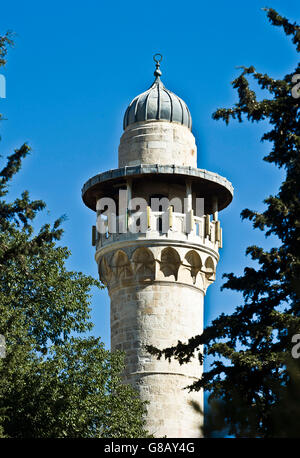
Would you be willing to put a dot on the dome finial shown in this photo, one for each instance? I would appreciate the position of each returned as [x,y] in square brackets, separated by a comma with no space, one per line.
[157,59]
[157,103]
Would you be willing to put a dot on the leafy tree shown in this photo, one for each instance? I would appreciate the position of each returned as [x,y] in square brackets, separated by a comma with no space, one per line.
[75,392]
[254,385]
[52,383]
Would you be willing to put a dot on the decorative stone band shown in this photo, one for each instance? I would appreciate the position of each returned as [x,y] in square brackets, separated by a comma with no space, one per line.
[205,184]
[157,263]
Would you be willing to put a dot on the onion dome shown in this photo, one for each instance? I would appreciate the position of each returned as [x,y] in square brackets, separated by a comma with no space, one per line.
[158,103]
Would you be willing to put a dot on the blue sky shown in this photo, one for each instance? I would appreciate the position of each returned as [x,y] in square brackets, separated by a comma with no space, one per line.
[76,66]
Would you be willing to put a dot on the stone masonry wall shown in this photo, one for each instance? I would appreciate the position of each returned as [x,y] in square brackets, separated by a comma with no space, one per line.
[159,314]
[157,142]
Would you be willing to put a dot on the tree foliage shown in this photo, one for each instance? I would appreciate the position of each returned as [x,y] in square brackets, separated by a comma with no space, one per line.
[253,381]
[75,392]
[52,383]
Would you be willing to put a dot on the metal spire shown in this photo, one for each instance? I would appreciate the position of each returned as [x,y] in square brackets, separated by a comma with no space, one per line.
[157,59]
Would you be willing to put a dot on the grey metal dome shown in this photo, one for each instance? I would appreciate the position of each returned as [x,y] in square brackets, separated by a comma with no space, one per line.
[157,103]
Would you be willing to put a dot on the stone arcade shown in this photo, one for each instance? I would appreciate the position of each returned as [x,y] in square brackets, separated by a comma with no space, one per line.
[157,280]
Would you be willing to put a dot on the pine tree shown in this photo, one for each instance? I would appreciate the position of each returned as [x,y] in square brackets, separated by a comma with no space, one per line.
[52,383]
[254,383]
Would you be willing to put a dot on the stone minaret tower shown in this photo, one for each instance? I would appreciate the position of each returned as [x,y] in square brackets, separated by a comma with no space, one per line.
[157,278]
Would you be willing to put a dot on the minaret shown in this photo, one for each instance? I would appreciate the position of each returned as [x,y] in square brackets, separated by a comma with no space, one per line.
[157,277]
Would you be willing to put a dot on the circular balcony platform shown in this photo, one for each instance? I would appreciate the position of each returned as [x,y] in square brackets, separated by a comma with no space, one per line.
[204,183]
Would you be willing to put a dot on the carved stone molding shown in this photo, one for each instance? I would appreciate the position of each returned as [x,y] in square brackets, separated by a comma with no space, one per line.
[149,264]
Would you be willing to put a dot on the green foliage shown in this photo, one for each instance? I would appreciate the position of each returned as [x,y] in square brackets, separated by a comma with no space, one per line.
[52,383]
[252,382]
[75,392]
[5,41]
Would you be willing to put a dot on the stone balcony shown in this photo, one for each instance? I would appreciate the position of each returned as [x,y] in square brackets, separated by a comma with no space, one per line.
[182,228]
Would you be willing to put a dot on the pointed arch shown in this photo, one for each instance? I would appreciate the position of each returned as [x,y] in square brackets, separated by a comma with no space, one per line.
[121,265]
[143,263]
[209,267]
[170,262]
[195,263]
[105,272]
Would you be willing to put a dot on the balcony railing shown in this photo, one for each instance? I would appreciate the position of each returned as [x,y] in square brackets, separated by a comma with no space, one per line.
[160,225]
